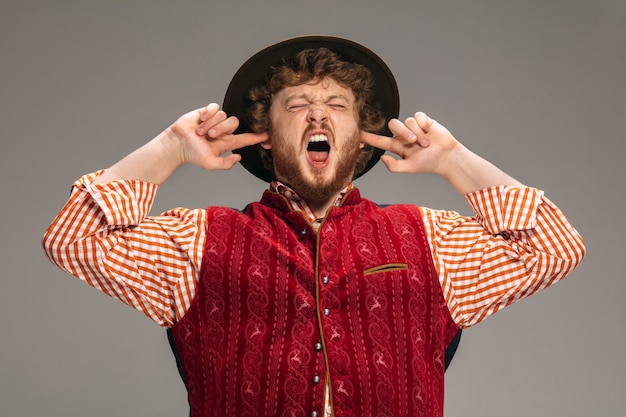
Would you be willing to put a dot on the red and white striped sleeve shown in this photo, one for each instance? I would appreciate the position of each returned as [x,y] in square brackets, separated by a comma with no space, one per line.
[517,243]
[104,236]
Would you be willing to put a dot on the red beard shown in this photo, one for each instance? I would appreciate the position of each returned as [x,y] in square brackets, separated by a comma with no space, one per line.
[315,189]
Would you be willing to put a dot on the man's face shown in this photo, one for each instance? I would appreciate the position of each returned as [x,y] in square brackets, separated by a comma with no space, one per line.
[314,138]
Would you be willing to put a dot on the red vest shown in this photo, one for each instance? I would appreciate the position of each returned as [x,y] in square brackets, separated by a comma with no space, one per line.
[279,307]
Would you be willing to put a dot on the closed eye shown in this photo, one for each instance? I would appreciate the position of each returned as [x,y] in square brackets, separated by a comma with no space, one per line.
[296,107]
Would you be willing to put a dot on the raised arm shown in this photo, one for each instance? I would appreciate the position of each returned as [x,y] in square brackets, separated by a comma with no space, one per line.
[518,241]
[201,137]
[424,145]
[104,236]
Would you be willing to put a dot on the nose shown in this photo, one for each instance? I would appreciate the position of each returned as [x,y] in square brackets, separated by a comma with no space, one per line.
[317,113]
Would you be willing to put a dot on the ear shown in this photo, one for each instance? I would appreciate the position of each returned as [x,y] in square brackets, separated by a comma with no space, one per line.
[361,143]
[267,144]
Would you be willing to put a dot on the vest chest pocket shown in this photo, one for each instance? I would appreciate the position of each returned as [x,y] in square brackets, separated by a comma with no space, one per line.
[385,268]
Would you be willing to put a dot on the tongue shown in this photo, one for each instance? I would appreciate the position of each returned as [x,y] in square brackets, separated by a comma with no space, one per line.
[318,157]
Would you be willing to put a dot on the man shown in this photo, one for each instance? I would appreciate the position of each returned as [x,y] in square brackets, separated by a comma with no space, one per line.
[313,301]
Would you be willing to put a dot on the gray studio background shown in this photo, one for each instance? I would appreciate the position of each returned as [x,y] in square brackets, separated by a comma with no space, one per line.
[537,87]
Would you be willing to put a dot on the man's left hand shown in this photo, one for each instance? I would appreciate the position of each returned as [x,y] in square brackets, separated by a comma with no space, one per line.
[422,144]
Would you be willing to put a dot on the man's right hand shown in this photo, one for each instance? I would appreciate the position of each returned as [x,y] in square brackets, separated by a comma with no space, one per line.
[203,137]
[206,137]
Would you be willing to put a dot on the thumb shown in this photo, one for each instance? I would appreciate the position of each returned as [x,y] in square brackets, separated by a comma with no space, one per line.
[390,162]
[221,163]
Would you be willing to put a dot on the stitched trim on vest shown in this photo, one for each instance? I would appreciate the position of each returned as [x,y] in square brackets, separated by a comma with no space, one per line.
[385,268]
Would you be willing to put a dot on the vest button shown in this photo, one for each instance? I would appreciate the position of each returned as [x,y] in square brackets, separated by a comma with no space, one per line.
[314,414]
[316,379]
[318,346]
[303,232]
[327,311]
[325,280]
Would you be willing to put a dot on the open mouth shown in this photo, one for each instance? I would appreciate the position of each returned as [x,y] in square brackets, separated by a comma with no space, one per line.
[318,149]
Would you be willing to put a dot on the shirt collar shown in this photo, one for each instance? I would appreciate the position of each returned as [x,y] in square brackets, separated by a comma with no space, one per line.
[296,203]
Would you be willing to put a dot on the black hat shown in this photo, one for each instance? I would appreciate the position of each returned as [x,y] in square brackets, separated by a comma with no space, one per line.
[255,71]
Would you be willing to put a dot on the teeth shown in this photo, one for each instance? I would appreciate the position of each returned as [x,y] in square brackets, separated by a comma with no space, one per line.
[318,138]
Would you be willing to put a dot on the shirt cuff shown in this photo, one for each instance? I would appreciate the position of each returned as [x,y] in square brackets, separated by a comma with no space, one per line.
[122,202]
[503,208]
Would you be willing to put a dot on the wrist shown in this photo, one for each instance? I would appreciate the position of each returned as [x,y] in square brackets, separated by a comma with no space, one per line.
[453,161]
[171,146]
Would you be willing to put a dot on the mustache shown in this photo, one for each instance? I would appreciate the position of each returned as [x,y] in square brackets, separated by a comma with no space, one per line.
[321,126]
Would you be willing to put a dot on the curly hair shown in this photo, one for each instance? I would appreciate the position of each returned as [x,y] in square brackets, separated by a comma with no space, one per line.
[310,65]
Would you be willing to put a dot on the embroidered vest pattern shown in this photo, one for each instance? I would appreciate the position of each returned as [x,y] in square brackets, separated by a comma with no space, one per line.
[279,307]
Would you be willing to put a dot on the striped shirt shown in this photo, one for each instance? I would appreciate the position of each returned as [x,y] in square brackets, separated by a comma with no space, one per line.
[517,243]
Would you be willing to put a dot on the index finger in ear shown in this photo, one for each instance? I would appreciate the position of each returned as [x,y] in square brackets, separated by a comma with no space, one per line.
[378,141]
[247,139]
[236,141]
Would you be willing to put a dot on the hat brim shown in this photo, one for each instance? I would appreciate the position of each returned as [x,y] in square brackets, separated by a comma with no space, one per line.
[255,71]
